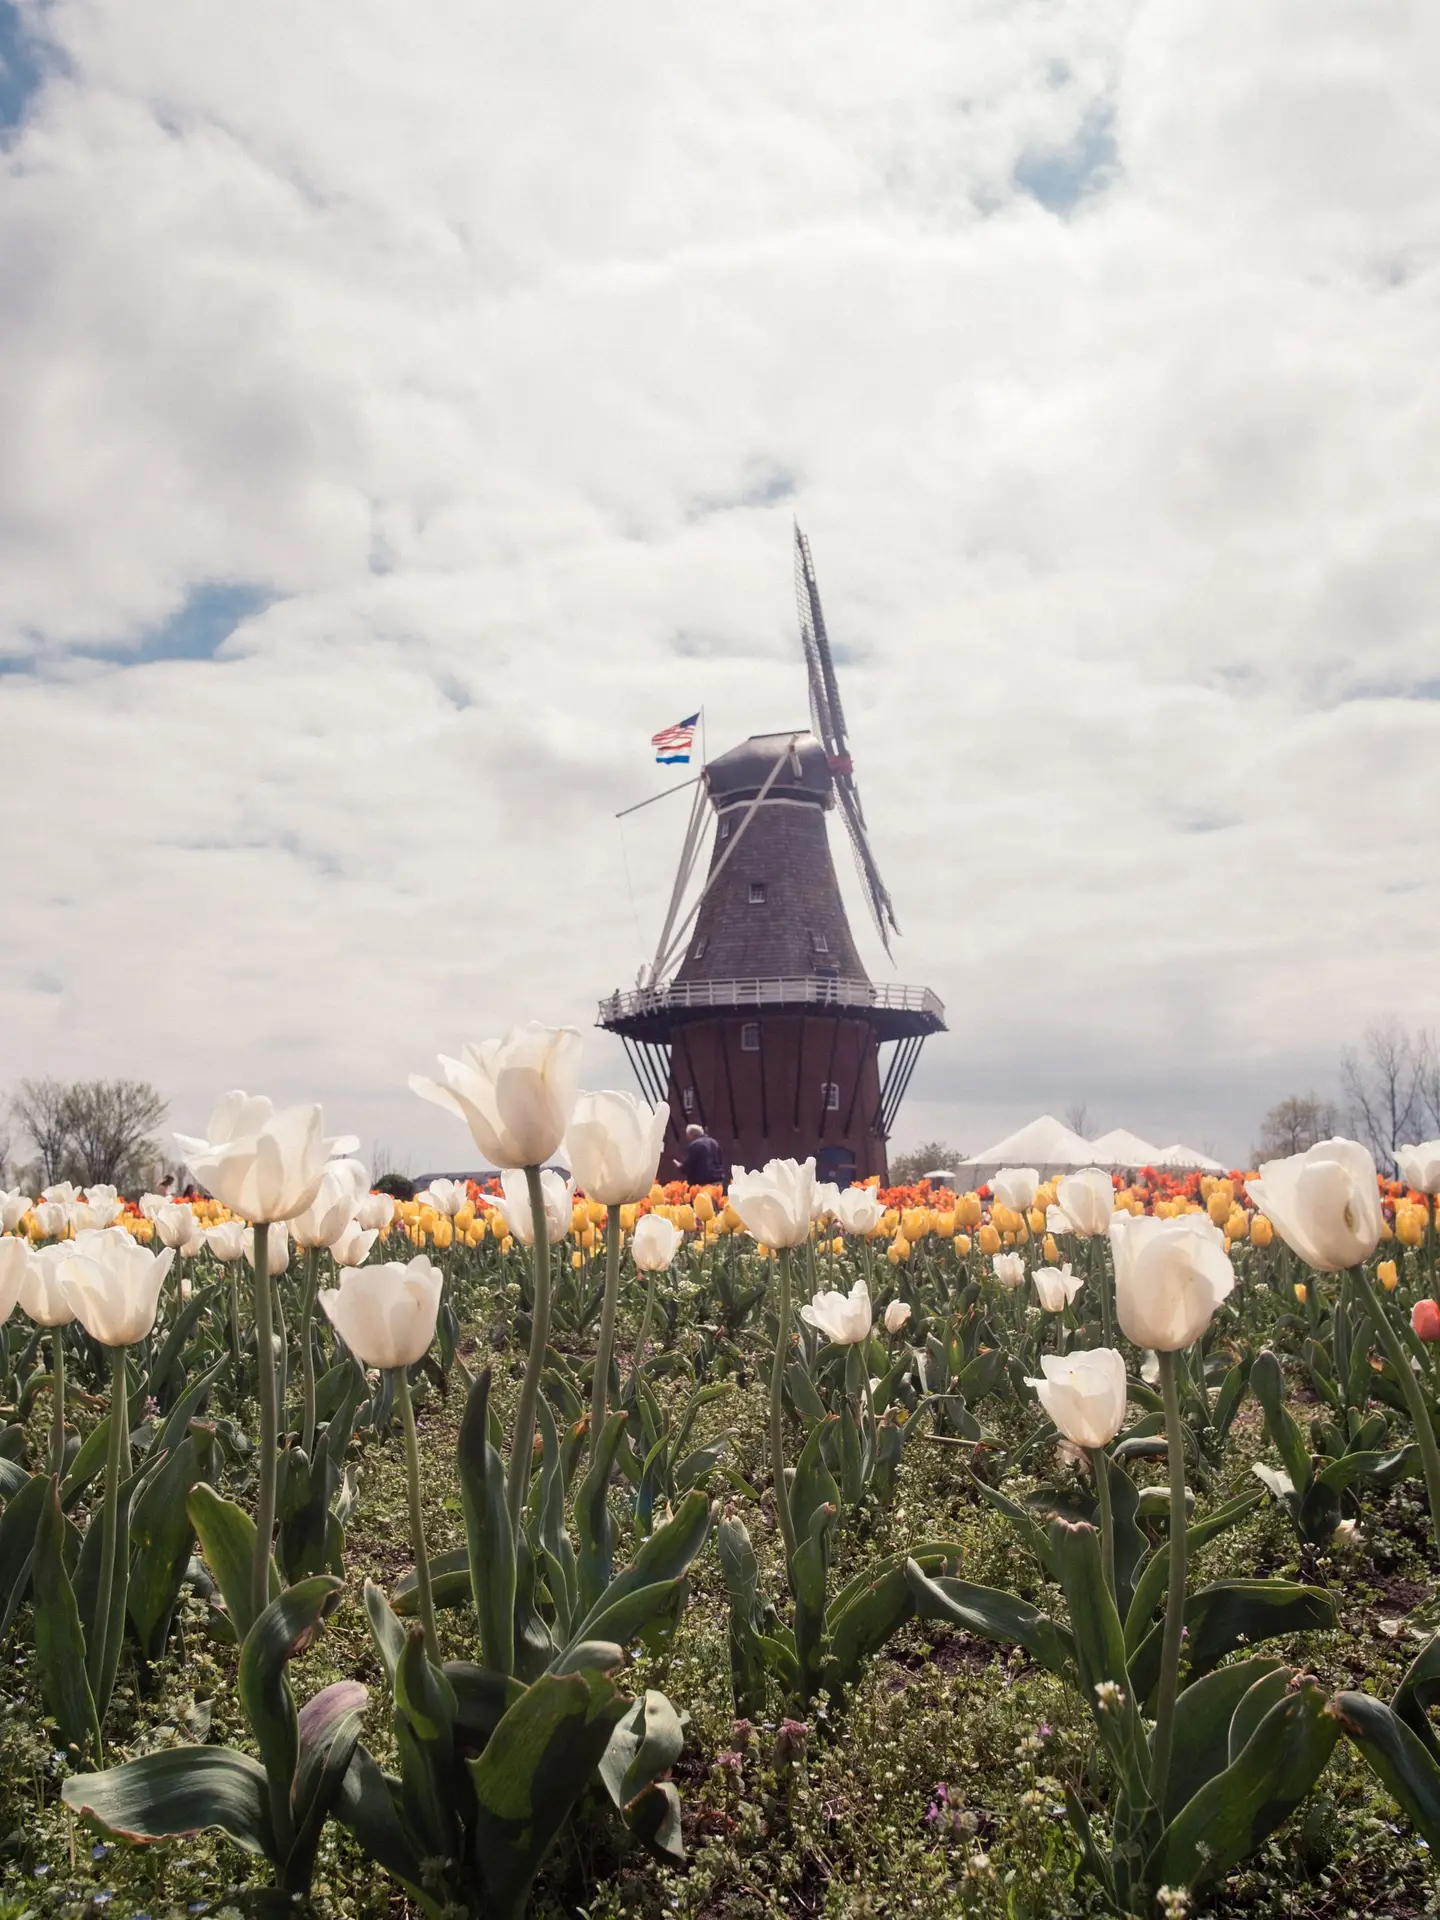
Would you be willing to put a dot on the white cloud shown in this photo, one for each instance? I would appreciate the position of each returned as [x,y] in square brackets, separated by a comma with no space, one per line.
[499,349]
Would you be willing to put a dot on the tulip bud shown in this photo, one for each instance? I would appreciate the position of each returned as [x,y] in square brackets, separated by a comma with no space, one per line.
[1388,1274]
[1302,1292]
[1050,1251]
[896,1315]
[1261,1231]
[1425,1319]
[989,1240]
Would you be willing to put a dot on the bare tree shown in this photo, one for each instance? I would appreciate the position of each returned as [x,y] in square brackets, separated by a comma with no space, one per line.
[908,1167]
[91,1131]
[1077,1118]
[40,1107]
[1293,1125]
[1386,1081]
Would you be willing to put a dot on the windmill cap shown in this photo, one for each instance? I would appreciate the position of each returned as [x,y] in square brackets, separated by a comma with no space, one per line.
[743,771]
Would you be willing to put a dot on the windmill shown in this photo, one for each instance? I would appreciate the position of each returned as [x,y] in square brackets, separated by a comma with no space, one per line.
[756,1017]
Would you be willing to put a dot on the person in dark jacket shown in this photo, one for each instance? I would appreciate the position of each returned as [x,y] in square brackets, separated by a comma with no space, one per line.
[703,1164]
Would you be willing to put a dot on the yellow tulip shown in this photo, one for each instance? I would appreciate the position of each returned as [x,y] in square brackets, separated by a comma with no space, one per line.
[837,1245]
[587,1238]
[704,1206]
[1237,1226]
[989,1239]
[657,1194]
[1051,1251]
[1301,1293]
[1037,1220]
[1388,1275]
[1217,1205]
[577,1259]
[443,1232]
[627,1219]
[1261,1231]
[1410,1226]
[962,1245]
[598,1211]
[900,1248]
[945,1225]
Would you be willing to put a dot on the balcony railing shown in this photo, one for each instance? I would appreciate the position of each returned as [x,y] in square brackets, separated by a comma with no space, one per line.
[806,990]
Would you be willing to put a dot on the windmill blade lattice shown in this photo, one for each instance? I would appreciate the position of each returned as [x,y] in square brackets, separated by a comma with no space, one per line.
[827,717]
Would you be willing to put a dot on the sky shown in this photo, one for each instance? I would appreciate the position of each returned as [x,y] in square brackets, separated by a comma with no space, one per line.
[402,416]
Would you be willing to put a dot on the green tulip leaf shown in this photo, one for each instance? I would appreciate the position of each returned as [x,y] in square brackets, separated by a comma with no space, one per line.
[1229,1614]
[227,1540]
[1397,1757]
[1203,1716]
[490,1541]
[992,1613]
[1237,1809]
[59,1638]
[179,1790]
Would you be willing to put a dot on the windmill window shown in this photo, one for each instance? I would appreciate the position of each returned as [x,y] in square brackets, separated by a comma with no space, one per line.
[750,1037]
[757,893]
[698,952]
[724,829]
[687,1099]
[830,1092]
[818,943]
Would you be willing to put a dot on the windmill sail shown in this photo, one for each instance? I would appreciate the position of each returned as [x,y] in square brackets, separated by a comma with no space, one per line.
[827,717]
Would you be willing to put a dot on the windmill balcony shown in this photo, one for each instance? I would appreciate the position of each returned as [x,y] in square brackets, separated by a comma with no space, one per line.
[896,1011]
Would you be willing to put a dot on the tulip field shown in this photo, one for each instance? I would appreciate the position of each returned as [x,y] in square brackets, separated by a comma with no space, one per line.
[571,1543]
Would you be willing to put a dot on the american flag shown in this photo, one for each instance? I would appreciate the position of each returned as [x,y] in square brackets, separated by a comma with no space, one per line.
[672,744]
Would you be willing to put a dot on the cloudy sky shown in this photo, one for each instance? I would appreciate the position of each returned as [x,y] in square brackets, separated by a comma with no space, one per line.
[402,415]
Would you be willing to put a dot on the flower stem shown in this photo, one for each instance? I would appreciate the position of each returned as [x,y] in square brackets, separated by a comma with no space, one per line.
[1414,1394]
[267,1464]
[1175,1597]
[517,1484]
[1100,1464]
[57,1410]
[307,1356]
[777,1409]
[117,1468]
[233,1272]
[605,1342]
[424,1596]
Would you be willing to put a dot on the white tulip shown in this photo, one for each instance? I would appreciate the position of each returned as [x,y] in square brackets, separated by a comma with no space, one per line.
[151,1203]
[84,1216]
[1419,1167]
[613,1144]
[277,1248]
[60,1194]
[112,1284]
[513,1202]
[333,1207]
[228,1240]
[1170,1276]
[897,1316]
[386,1314]
[445,1196]
[375,1211]
[14,1264]
[1087,1200]
[1324,1204]
[824,1202]
[14,1205]
[654,1242]
[774,1204]
[1016,1187]
[261,1164]
[1084,1394]
[41,1295]
[103,1195]
[1057,1287]
[175,1224]
[844,1318]
[1009,1269]
[859,1210]
[515,1094]
[353,1245]
[53,1218]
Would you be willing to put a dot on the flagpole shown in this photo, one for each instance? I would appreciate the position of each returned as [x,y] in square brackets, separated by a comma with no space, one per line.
[702,737]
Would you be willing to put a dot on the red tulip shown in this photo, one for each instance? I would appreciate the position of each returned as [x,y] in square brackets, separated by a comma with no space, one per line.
[1425,1319]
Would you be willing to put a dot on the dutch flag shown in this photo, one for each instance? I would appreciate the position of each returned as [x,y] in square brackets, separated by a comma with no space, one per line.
[672,744]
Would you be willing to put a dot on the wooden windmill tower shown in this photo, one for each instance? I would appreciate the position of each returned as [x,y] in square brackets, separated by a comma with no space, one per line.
[756,1017]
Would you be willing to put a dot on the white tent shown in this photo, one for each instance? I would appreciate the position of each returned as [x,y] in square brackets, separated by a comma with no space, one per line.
[1121,1148]
[1186,1158]
[1046,1144]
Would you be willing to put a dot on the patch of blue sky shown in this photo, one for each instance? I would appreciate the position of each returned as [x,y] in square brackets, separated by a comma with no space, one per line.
[1061,177]
[197,630]
[21,68]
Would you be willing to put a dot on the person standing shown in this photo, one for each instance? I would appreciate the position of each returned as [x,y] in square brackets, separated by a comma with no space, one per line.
[703,1164]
